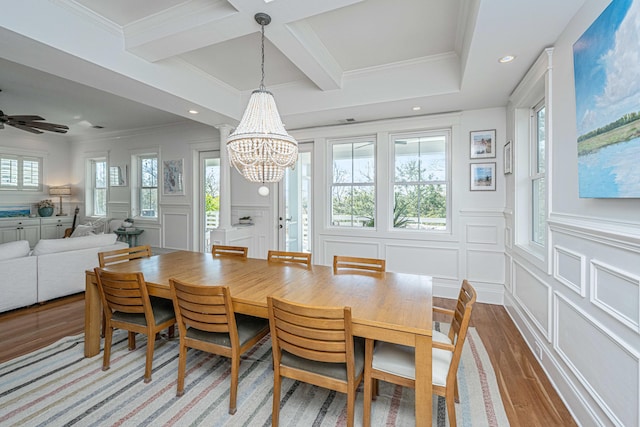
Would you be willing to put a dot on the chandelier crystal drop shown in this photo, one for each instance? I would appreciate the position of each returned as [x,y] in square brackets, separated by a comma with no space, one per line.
[260,148]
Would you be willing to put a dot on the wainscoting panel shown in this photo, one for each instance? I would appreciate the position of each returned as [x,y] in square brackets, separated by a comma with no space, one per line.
[440,262]
[534,296]
[176,226]
[617,292]
[607,368]
[482,233]
[569,268]
[485,266]
[331,247]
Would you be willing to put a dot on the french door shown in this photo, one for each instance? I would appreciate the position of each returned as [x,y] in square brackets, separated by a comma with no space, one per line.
[295,204]
[209,200]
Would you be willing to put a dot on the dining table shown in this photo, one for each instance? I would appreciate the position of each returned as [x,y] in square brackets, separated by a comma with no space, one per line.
[386,306]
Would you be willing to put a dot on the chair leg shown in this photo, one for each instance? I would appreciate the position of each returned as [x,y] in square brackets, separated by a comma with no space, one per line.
[233,391]
[132,340]
[275,412]
[182,366]
[451,408]
[368,381]
[455,391]
[104,325]
[351,407]
[106,358]
[149,362]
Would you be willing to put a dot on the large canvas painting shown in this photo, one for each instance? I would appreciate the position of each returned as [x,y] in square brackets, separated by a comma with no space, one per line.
[607,79]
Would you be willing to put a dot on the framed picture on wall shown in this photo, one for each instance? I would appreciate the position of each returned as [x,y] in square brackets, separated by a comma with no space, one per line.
[482,143]
[172,172]
[508,158]
[483,176]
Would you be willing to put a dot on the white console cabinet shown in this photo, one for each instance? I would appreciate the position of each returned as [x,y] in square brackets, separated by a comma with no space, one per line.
[54,227]
[13,229]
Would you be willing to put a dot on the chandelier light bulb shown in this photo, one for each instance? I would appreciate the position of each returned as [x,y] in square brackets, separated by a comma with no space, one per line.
[263,190]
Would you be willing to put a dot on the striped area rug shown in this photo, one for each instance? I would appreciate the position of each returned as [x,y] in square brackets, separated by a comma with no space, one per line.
[57,386]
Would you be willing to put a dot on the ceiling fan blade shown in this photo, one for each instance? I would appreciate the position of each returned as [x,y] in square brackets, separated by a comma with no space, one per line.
[23,127]
[52,127]
[25,118]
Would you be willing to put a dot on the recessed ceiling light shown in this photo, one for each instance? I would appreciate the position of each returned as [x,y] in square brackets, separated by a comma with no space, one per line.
[193,111]
[416,108]
[506,58]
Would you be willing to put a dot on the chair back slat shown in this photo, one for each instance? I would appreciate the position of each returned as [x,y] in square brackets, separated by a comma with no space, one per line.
[315,333]
[125,292]
[357,263]
[225,250]
[287,256]
[207,308]
[460,325]
[122,255]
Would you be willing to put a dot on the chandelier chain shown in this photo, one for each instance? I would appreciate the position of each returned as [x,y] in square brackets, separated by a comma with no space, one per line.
[262,39]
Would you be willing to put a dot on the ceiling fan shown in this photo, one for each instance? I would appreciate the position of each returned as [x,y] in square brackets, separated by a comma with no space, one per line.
[31,124]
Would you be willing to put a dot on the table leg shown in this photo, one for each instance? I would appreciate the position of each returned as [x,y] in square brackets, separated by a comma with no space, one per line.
[92,318]
[424,392]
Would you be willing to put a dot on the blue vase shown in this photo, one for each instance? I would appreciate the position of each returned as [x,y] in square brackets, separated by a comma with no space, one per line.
[45,211]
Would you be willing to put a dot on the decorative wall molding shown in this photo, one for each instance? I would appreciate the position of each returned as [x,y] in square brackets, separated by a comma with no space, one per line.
[618,295]
[470,212]
[526,301]
[567,265]
[614,387]
[625,235]
[486,234]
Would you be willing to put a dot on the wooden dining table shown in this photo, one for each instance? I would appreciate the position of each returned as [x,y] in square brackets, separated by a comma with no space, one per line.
[393,307]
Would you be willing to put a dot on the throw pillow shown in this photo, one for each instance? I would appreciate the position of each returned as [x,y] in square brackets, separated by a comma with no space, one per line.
[17,249]
[82,230]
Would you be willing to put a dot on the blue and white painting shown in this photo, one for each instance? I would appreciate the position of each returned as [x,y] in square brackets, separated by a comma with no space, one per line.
[607,78]
[14,211]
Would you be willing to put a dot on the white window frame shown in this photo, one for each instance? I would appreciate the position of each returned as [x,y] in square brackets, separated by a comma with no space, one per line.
[533,92]
[344,141]
[90,188]
[20,184]
[537,174]
[136,188]
[446,133]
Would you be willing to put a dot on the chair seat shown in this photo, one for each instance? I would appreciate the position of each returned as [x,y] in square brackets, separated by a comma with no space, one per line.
[333,370]
[400,360]
[248,327]
[162,312]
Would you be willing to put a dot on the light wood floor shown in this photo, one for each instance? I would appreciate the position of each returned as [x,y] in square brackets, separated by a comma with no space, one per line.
[528,396]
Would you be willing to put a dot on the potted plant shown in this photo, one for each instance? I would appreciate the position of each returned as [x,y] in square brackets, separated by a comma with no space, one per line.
[45,207]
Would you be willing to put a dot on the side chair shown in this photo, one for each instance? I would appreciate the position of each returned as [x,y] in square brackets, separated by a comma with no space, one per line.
[127,305]
[314,345]
[207,322]
[356,263]
[122,255]
[396,363]
[286,256]
[223,250]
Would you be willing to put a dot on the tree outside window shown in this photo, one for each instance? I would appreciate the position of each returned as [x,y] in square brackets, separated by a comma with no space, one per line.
[149,186]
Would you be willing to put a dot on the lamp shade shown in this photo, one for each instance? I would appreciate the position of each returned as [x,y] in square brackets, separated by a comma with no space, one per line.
[60,191]
[260,148]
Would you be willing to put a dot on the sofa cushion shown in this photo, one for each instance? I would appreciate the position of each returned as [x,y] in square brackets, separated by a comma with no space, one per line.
[47,246]
[17,249]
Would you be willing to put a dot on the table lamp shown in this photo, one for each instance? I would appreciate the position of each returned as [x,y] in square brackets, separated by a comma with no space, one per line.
[60,191]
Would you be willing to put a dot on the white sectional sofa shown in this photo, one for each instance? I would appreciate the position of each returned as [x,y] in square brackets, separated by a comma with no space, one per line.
[55,268]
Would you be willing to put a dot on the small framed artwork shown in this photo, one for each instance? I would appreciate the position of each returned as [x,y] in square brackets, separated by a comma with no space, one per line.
[508,158]
[483,144]
[483,176]
[172,173]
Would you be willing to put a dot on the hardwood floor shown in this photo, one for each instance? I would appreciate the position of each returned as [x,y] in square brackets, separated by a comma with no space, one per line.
[527,394]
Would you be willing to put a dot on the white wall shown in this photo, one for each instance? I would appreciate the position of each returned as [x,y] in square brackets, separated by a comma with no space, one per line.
[580,317]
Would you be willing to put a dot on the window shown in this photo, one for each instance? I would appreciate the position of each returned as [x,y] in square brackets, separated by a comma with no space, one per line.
[148,200]
[420,180]
[353,183]
[97,191]
[537,176]
[23,173]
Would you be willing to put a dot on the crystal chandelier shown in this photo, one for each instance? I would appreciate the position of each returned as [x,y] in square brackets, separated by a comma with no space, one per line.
[260,148]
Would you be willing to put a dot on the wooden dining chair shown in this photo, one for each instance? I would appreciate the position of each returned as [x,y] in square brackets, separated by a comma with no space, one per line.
[122,255]
[223,250]
[314,345]
[348,262]
[207,322]
[286,256]
[127,306]
[396,363]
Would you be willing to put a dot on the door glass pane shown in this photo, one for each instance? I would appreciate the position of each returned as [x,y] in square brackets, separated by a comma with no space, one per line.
[297,217]
[211,187]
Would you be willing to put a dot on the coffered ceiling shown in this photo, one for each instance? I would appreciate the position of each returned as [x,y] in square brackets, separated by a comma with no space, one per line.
[125,64]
